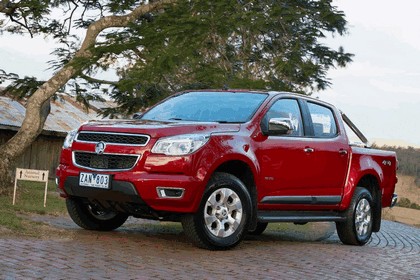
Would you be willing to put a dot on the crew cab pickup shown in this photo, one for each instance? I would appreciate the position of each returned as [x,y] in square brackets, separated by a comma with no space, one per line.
[226,163]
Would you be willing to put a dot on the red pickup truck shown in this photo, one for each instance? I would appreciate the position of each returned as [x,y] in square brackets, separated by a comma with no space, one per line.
[226,163]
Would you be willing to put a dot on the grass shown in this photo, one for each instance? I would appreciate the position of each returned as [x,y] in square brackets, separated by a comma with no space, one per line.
[29,200]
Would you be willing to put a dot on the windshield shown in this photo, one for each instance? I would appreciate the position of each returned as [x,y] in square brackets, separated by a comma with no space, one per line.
[231,107]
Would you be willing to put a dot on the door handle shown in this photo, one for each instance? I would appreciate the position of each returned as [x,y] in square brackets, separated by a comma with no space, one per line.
[342,152]
[308,150]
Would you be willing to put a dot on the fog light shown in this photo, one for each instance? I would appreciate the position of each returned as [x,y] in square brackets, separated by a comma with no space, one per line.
[57,181]
[168,192]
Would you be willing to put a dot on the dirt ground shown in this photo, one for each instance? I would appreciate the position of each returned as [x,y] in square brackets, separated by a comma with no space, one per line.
[402,215]
[405,188]
[408,189]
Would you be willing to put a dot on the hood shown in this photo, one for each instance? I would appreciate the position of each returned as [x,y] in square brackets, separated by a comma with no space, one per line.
[157,129]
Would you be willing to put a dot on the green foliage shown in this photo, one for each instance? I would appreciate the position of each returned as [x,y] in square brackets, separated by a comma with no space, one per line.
[4,76]
[36,16]
[267,45]
[22,87]
[25,16]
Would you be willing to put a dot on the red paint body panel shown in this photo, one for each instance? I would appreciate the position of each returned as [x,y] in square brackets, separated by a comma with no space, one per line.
[279,164]
[369,162]
[157,129]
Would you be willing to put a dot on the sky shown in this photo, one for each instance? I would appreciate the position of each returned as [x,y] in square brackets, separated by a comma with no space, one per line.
[379,90]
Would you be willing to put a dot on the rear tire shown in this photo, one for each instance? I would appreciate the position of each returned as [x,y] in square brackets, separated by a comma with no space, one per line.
[88,217]
[223,215]
[357,229]
[259,229]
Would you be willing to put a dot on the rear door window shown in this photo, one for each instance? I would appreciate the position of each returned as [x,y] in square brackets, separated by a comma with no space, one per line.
[323,121]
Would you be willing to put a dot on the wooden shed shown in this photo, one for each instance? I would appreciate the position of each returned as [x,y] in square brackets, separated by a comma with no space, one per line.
[65,115]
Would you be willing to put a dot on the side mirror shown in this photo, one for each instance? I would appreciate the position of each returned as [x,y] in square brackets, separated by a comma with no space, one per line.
[279,126]
[137,116]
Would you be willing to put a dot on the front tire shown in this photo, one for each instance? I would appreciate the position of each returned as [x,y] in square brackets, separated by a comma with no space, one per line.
[87,216]
[223,216]
[357,229]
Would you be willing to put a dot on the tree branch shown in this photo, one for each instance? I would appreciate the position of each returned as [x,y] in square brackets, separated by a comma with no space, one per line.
[69,19]
[21,24]
[169,83]
[94,80]
[118,21]
[33,123]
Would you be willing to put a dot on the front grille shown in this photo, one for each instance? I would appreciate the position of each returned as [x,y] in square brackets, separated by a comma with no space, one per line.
[105,161]
[114,138]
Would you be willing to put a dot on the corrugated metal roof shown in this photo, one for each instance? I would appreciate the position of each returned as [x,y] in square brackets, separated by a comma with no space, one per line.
[11,112]
[65,114]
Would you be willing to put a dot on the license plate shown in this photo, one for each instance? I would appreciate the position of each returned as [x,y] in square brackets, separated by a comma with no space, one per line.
[93,180]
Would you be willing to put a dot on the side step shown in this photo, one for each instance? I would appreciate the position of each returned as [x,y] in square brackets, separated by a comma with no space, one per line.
[299,216]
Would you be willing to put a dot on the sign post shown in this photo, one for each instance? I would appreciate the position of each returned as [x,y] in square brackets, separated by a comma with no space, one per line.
[31,175]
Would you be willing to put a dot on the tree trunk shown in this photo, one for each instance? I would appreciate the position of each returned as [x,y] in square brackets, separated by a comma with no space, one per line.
[34,122]
[5,176]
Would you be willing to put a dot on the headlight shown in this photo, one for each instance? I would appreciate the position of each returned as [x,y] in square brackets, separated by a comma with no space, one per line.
[180,145]
[69,139]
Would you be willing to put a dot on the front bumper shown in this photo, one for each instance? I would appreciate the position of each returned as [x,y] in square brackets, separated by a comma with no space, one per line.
[394,200]
[141,188]
[120,191]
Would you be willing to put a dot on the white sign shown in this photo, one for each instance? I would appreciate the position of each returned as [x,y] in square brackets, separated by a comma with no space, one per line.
[31,175]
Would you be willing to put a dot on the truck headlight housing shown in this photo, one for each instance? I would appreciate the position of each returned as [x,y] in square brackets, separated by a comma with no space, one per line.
[71,135]
[180,145]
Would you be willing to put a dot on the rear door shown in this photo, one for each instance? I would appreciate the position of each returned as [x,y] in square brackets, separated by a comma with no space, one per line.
[330,150]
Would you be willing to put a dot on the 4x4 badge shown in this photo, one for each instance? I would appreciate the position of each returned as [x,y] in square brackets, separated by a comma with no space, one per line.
[100,148]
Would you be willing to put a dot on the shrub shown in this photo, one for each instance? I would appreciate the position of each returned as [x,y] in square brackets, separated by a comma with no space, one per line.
[406,203]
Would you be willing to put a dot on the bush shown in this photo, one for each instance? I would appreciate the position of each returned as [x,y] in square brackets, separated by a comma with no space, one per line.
[406,203]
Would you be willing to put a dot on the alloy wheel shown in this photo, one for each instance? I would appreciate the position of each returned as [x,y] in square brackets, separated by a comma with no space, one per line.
[223,212]
[363,217]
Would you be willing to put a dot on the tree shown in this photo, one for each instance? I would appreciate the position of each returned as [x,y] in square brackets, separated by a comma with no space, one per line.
[270,45]
[158,48]
[36,10]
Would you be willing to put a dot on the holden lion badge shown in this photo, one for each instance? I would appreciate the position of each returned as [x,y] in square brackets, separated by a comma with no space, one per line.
[100,148]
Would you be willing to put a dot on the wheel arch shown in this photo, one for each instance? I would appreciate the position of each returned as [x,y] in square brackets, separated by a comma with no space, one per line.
[243,172]
[372,184]
[365,172]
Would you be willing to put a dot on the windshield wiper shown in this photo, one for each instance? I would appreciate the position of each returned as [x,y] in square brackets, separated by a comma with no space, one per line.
[228,121]
[176,119]
[218,121]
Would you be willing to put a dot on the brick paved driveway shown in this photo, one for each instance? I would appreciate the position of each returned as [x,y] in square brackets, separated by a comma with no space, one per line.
[142,250]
